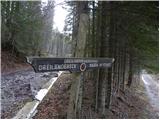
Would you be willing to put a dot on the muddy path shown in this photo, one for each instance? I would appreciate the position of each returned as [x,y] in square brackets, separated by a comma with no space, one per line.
[19,87]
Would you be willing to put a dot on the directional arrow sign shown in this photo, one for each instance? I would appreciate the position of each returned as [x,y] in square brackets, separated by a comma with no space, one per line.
[68,64]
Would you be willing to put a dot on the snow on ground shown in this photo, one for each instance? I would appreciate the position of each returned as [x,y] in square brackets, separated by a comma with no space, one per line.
[152,90]
[17,88]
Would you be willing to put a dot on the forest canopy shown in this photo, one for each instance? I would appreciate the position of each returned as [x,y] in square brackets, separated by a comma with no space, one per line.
[27,28]
[127,31]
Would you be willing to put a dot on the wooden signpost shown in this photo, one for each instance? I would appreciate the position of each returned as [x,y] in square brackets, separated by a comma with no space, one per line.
[78,65]
[68,64]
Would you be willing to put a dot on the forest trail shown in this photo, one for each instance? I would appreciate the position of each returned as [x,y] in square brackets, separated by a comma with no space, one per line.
[151,90]
[131,104]
[128,33]
[18,87]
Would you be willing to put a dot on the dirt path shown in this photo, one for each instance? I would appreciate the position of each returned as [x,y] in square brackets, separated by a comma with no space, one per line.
[19,87]
[152,91]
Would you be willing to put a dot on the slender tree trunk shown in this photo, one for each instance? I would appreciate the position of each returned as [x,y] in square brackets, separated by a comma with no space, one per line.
[124,68]
[130,70]
[110,52]
[97,46]
[103,81]
[75,103]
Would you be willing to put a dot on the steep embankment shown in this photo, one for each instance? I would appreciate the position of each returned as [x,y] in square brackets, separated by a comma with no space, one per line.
[19,84]
[136,102]
[133,103]
[11,63]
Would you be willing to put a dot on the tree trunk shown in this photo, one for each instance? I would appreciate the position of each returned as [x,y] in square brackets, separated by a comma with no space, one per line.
[97,47]
[130,70]
[103,74]
[124,68]
[112,31]
[76,93]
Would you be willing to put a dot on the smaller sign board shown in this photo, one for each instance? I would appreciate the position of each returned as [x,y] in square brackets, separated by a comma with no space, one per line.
[68,64]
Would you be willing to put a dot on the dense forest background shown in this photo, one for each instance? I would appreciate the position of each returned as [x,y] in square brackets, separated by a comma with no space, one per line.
[125,30]
[27,28]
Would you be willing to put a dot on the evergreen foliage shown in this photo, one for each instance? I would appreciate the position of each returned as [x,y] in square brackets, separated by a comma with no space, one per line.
[126,31]
[23,24]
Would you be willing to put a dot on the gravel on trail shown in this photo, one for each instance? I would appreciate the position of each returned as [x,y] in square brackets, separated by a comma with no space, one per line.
[20,87]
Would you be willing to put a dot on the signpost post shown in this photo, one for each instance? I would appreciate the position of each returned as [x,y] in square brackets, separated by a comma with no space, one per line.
[73,65]
[68,64]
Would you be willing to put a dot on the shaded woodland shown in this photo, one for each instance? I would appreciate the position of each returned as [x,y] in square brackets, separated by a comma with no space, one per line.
[127,31]
[27,29]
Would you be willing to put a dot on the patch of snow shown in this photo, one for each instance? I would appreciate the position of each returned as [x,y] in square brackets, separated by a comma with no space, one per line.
[152,89]
[40,95]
